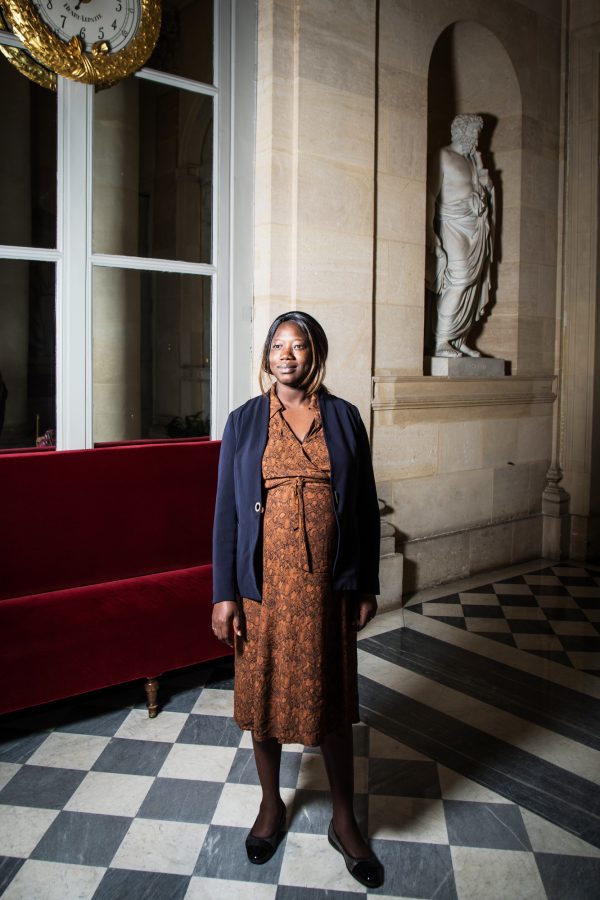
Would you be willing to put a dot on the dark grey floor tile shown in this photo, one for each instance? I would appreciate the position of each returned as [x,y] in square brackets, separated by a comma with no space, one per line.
[243,769]
[95,720]
[549,590]
[41,787]
[214,730]
[82,838]
[360,737]
[223,855]
[415,870]
[179,700]
[493,825]
[482,612]
[181,800]
[520,579]
[221,676]
[554,656]
[403,778]
[530,626]
[569,877]
[311,812]
[123,884]
[130,757]
[9,866]
[558,614]
[457,621]
[580,642]
[290,892]
[17,746]
[579,580]
[517,600]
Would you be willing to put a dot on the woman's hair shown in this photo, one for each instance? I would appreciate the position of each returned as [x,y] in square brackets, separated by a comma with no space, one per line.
[317,342]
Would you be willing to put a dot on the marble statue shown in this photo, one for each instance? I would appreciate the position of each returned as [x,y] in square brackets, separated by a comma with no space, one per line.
[460,237]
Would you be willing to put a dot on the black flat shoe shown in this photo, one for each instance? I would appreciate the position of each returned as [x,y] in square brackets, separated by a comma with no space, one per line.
[367,869]
[261,849]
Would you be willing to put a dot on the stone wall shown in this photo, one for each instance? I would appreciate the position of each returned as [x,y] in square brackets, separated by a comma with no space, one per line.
[343,111]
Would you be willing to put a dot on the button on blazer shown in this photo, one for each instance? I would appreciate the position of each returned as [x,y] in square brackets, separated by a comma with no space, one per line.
[237,532]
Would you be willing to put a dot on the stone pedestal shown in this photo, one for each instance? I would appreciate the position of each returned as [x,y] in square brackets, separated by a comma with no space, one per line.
[465,366]
[391,566]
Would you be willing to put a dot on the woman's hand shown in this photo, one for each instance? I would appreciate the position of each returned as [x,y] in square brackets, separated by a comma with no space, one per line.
[224,615]
[366,609]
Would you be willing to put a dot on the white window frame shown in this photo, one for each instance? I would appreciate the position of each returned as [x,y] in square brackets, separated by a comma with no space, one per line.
[231,269]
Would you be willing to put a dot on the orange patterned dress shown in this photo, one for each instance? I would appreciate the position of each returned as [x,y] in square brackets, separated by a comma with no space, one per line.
[295,666]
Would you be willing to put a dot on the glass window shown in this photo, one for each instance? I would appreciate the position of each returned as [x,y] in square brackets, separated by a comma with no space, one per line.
[153,172]
[27,353]
[151,354]
[28,170]
[185,45]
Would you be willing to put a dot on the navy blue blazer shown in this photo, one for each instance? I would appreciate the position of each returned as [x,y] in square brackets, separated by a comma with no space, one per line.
[237,532]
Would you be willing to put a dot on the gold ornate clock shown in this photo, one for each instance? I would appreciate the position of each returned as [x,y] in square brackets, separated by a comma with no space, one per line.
[94,41]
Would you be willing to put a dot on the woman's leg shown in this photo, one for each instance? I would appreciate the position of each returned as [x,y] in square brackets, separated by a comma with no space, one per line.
[267,755]
[338,753]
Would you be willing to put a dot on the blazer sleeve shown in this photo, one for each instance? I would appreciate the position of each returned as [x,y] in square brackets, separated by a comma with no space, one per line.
[225,521]
[369,521]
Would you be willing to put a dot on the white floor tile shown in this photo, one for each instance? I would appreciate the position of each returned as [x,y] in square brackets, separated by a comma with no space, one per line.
[238,804]
[582,659]
[443,609]
[165,727]
[524,612]
[110,794]
[311,862]
[68,751]
[155,846]
[577,590]
[7,771]
[214,703]
[496,626]
[456,787]
[566,627]
[222,889]
[22,827]
[542,579]
[496,875]
[546,837]
[512,589]
[407,819]
[198,762]
[537,642]
[312,775]
[38,880]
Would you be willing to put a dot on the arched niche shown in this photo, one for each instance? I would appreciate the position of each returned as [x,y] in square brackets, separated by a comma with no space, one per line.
[470,71]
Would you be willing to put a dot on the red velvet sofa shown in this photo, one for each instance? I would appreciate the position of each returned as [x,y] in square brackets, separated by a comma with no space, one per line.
[105,568]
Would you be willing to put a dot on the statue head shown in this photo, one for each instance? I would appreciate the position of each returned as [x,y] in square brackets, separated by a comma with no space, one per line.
[465,130]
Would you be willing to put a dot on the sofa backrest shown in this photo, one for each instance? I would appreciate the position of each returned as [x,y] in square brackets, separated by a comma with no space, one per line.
[80,517]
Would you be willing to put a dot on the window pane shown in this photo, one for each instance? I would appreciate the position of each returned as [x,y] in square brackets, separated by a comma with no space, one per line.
[185,45]
[27,353]
[153,172]
[27,161]
[151,355]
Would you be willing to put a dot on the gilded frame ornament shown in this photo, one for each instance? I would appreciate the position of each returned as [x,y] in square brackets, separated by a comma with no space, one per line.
[27,65]
[71,60]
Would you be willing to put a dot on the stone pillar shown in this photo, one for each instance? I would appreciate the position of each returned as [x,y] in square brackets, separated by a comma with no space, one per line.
[314,215]
[15,228]
[116,292]
[577,456]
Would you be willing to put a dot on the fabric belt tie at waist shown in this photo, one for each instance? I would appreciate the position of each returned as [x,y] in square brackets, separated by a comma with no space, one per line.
[300,525]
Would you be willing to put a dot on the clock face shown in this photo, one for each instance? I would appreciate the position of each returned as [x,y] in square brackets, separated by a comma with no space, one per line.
[113,21]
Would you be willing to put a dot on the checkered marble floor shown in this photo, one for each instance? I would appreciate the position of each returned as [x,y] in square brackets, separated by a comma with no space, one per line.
[98,801]
[554,613]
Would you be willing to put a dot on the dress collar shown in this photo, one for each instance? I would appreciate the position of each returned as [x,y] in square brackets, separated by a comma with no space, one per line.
[275,404]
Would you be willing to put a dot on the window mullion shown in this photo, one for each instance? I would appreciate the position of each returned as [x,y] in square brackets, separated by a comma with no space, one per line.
[73,276]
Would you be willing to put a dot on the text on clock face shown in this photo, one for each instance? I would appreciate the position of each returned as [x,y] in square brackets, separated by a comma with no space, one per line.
[113,21]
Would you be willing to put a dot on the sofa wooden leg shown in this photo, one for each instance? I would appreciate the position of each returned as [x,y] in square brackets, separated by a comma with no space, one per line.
[151,688]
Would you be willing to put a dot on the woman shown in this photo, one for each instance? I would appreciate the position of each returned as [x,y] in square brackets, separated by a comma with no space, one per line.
[295,569]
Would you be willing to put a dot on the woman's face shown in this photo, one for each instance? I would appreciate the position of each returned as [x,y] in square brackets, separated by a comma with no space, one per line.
[290,356]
